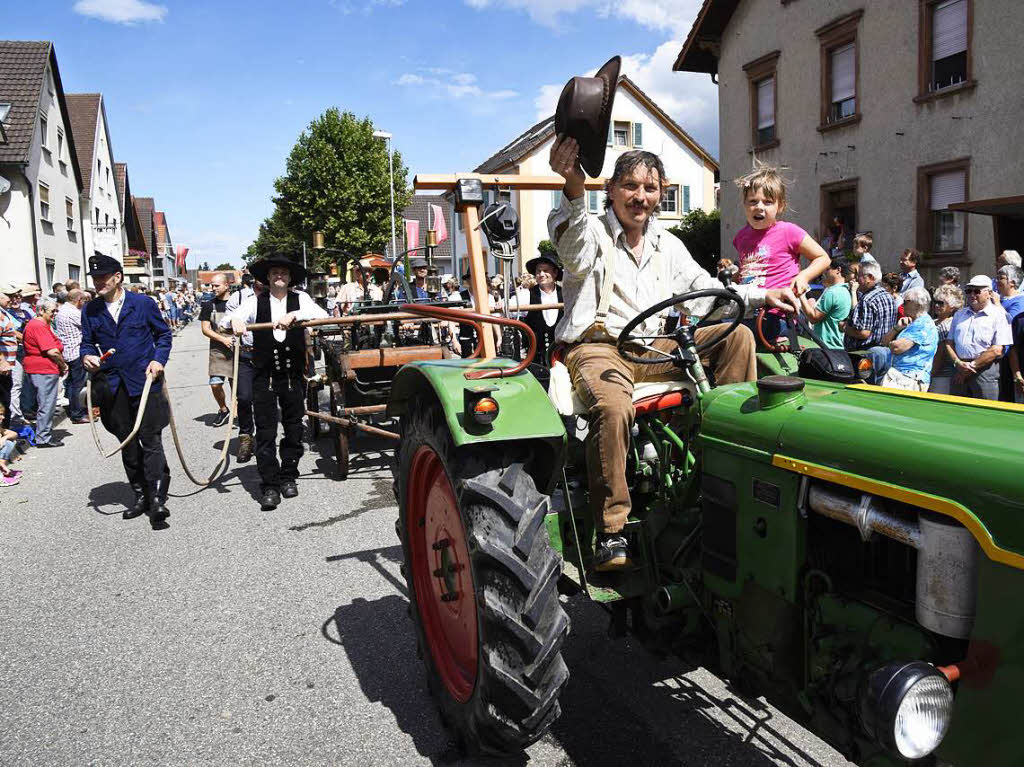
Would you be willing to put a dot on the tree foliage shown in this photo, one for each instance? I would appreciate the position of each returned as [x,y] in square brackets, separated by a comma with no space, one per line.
[337,182]
[701,233]
[224,267]
[547,248]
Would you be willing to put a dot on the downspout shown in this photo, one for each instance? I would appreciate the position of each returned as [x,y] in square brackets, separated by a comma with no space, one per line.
[35,237]
[85,258]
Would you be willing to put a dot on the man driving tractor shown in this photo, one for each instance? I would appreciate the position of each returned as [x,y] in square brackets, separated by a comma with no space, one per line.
[616,265]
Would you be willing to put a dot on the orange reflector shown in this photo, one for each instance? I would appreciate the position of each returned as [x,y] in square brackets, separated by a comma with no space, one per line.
[485,406]
[864,365]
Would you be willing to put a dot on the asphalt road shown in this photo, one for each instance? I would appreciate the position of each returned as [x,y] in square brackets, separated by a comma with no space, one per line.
[238,636]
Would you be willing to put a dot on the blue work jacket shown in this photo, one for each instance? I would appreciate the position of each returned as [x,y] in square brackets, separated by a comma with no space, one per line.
[139,337]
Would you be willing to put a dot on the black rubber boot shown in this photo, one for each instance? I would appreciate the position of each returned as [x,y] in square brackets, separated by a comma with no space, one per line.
[158,512]
[140,505]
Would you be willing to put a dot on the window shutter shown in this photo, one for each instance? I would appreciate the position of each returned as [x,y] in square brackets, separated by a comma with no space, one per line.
[611,133]
[556,198]
[949,29]
[592,201]
[638,134]
[843,72]
[946,189]
[766,103]
[686,199]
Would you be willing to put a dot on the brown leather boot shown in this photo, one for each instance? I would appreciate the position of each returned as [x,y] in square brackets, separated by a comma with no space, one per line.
[245,445]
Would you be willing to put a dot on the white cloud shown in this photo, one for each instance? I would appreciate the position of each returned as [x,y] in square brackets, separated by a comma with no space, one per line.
[121,11]
[675,16]
[689,99]
[444,83]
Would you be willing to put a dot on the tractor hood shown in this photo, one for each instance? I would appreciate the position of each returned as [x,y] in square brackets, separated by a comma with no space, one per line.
[959,456]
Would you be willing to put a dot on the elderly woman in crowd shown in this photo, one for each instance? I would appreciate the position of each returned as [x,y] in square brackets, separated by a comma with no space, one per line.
[949,275]
[44,364]
[947,300]
[913,342]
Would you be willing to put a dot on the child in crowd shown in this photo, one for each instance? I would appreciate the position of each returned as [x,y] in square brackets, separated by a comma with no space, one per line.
[8,441]
[770,250]
[892,281]
[862,244]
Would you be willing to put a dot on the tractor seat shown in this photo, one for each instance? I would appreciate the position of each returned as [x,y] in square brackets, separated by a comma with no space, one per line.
[649,397]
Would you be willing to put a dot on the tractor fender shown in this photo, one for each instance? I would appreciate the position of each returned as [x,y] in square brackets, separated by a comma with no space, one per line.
[524,410]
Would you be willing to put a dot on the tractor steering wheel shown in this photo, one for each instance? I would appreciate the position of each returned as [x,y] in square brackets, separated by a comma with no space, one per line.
[682,335]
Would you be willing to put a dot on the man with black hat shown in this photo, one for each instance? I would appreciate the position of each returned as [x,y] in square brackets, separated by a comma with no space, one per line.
[130,326]
[547,272]
[617,265]
[419,281]
[279,365]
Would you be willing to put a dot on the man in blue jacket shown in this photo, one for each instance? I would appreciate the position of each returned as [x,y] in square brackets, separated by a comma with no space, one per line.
[129,324]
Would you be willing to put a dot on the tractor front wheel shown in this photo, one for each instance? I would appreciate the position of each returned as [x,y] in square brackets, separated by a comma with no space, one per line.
[482,582]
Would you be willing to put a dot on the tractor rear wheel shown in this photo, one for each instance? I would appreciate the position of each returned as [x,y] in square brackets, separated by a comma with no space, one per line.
[482,582]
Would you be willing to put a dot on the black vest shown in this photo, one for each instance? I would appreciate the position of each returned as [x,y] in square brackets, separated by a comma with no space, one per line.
[288,356]
[535,319]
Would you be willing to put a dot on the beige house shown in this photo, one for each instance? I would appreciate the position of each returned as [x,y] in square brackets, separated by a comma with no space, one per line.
[637,123]
[896,116]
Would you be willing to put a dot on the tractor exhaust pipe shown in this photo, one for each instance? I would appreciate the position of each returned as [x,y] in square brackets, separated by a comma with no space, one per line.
[947,558]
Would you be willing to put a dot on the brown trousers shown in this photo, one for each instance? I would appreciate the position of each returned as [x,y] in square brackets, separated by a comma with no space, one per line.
[604,381]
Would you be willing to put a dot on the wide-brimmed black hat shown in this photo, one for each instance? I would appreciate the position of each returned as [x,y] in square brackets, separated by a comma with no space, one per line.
[260,269]
[531,265]
[585,111]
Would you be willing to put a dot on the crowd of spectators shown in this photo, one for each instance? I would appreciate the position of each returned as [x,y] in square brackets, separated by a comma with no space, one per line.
[40,368]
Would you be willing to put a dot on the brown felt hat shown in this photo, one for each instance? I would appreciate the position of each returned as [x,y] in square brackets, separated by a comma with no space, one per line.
[585,111]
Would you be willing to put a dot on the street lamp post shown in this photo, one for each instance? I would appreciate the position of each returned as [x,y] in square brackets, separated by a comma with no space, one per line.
[391,186]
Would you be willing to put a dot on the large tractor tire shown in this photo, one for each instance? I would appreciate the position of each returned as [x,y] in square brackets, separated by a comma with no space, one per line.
[482,585]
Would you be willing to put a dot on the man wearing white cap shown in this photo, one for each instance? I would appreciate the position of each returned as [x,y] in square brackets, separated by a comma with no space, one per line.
[977,336]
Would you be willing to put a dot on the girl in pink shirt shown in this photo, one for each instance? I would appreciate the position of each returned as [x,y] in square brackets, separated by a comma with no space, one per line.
[770,250]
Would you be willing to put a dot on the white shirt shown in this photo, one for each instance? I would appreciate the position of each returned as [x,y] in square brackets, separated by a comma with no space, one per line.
[246,311]
[550,315]
[114,307]
[581,240]
[974,332]
[234,301]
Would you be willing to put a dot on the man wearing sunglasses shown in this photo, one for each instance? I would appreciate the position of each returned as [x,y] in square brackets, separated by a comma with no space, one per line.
[977,336]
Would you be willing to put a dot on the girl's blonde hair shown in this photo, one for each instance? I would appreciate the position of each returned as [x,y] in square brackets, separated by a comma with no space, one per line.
[766,178]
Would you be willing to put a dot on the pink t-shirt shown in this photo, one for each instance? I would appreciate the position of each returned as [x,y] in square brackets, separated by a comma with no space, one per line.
[769,258]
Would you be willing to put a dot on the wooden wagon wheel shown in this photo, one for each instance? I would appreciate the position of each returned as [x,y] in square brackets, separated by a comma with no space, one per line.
[339,434]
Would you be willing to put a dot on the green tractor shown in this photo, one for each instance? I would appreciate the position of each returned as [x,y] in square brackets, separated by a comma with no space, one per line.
[843,549]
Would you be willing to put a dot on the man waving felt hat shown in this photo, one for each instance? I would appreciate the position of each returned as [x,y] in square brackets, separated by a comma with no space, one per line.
[279,365]
[648,265]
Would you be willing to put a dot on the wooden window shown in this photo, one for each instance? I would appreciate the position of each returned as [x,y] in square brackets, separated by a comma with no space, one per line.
[69,213]
[670,200]
[44,201]
[839,201]
[840,102]
[621,134]
[944,48]
[942,232]
[763,78]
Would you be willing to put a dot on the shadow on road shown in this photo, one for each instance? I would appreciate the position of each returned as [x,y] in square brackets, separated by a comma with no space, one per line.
[117,494]
[620,706]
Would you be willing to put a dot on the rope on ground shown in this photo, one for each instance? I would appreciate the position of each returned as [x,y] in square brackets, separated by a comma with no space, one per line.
[221,463]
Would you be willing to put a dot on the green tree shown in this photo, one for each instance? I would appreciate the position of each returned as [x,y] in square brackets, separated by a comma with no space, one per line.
[336,181]
[224,267]
[274,237]
[701,233]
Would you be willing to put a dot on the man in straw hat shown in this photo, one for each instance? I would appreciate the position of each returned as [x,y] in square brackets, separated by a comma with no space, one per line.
[130,326]
[649,265]
[279,366]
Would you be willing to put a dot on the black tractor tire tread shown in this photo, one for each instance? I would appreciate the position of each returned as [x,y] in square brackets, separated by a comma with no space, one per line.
[521,623]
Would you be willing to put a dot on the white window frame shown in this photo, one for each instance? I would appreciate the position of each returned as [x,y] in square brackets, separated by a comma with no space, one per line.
[44,130]
[671,193]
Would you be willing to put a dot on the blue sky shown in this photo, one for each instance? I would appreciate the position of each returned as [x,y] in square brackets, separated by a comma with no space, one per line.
[205,99]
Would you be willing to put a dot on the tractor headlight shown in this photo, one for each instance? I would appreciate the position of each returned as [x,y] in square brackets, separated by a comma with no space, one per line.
[907,707]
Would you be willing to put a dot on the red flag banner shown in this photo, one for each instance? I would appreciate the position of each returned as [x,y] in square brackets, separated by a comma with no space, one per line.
[412,234]
[439,223]
[180,254]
